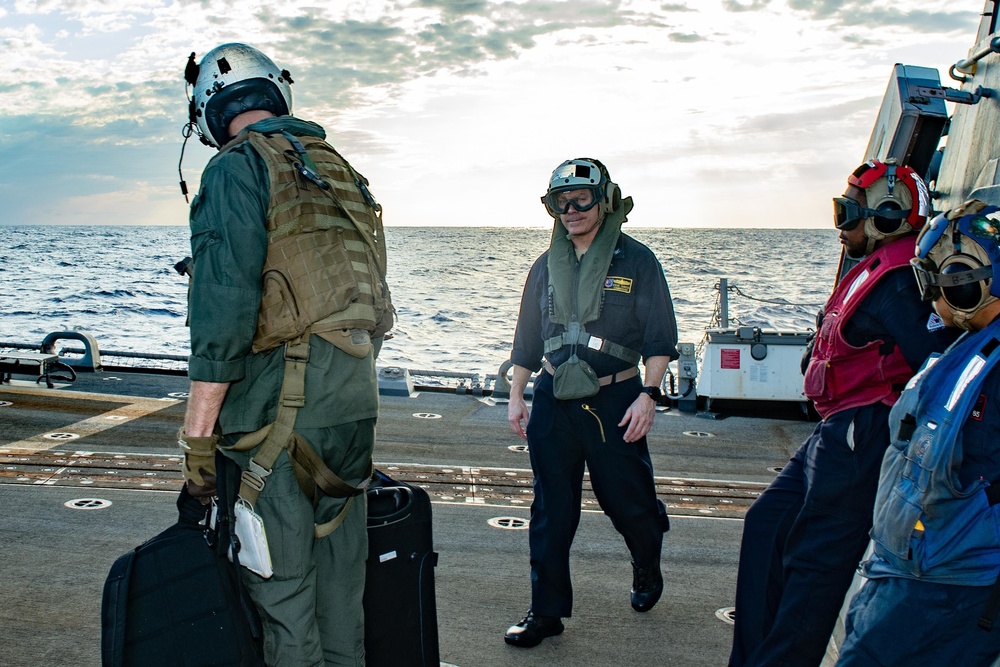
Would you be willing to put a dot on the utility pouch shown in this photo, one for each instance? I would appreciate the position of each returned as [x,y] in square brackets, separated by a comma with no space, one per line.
[574,378]
[254,554]
[314,280]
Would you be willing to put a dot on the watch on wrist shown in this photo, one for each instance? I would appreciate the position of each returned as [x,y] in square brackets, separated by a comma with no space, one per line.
[653,392]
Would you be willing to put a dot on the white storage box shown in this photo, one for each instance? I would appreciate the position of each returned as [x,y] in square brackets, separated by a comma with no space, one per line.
[750,364]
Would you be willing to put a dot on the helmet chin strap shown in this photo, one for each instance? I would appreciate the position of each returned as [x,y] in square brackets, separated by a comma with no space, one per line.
[870,245]
[961,318]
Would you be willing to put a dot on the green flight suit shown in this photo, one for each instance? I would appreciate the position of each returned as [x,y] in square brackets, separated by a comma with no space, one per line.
[312,606]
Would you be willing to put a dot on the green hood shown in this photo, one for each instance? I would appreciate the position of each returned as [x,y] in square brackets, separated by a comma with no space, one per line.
[584,287]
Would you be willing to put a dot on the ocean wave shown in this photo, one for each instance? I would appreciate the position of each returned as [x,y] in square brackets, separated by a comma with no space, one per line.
[456,291]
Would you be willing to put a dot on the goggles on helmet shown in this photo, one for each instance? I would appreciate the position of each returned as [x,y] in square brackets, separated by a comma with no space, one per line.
[582,199]
[848,214]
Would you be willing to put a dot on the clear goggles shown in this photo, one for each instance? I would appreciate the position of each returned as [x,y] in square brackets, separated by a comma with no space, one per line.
[848,214]
[582,199]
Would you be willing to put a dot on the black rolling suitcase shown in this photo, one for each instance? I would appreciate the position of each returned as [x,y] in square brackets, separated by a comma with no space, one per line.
[177,599]
[400,606]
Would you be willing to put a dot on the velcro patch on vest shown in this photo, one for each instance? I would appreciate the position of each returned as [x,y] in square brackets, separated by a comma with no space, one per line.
[979,408]
[616,284]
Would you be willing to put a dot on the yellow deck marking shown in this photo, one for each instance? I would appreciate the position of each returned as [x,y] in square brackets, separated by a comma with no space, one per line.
[134,408]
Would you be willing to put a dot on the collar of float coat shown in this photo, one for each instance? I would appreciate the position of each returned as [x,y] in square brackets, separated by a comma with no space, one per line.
[296,126]
[589,287]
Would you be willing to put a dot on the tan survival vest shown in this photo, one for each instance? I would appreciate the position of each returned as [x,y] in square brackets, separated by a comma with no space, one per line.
[324,274]
[326,262]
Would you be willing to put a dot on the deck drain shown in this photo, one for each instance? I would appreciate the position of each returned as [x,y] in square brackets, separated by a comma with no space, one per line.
[61,436]
[518,448]
[87,504]
[179,394]
[508,523]
[699,434]
[726,615]
[5,404]
[776,469]
[426,415]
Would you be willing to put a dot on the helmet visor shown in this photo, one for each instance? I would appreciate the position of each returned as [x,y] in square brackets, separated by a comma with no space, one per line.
[582,199]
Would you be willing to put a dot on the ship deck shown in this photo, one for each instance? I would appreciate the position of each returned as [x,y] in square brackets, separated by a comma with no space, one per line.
[110,437]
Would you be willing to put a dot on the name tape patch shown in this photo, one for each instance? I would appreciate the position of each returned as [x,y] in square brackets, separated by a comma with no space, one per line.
[616,284]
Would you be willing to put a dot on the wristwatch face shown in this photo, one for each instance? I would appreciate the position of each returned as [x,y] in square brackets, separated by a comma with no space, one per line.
[652,392]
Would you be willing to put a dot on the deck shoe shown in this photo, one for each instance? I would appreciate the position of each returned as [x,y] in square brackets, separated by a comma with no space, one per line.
[532,629]
[647,586]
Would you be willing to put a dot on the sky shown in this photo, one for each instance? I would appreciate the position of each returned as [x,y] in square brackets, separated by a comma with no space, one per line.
[709,113]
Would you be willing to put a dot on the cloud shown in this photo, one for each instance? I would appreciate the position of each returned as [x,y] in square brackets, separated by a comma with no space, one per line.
[737,6]
[423,92]
[685,38]
[862,13]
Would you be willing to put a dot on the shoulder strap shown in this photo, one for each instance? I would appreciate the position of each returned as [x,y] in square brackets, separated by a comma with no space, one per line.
[307,168]
[310,470]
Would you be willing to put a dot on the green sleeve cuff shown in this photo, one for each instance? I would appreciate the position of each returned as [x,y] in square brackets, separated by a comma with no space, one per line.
[201,369]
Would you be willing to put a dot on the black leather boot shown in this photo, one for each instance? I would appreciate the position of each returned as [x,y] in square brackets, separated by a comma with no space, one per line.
[532,629]
[647,586]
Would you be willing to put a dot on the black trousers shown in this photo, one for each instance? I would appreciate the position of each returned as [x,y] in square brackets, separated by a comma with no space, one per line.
[563,437]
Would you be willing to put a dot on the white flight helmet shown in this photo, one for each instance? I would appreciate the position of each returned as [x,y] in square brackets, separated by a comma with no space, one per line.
[232,79]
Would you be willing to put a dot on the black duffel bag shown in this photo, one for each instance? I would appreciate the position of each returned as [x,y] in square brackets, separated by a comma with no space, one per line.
[177,599]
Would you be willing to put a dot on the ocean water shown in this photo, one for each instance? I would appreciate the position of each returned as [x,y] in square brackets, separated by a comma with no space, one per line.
[456,290]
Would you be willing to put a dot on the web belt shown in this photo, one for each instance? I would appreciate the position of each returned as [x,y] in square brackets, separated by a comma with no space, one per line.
[601,345]
[614,378]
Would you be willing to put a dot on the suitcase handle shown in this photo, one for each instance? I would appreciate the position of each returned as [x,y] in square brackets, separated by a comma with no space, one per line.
[389,504]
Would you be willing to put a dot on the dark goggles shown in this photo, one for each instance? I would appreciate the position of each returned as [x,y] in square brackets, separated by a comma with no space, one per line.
[582,199]
[848,214]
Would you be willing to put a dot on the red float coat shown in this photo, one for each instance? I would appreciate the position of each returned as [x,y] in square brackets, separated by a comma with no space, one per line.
[839,375]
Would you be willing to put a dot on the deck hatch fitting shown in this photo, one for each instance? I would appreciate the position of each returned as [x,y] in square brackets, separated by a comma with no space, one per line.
[61,436]
[426,415]
[726,615]
[87,504]
[699,434]
[518,448]
[508,523]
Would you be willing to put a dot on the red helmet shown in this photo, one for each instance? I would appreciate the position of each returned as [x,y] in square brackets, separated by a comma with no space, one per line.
[898,192]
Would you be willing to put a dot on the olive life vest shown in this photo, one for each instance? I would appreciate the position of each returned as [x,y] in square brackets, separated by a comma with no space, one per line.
[839,375]
[576,287]
[926,525]
[326,263]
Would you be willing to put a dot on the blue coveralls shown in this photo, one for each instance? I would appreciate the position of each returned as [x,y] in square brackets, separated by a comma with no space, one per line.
[564,435]
[804,536]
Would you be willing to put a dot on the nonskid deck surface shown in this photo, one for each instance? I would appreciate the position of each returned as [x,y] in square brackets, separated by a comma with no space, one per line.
[459,484]
[63,450]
